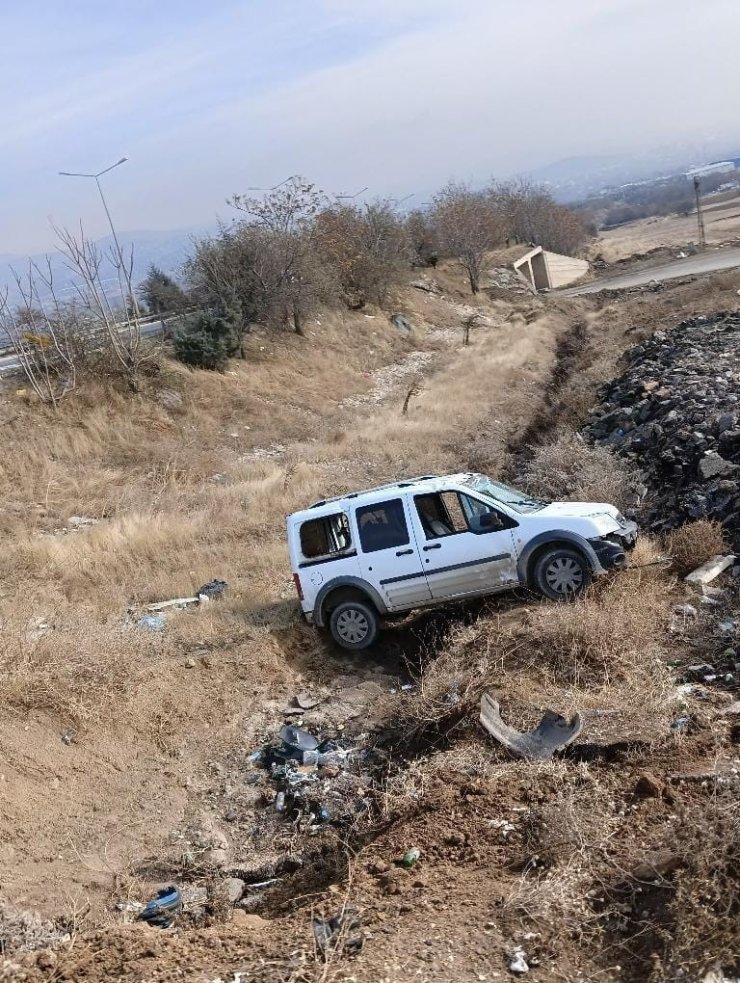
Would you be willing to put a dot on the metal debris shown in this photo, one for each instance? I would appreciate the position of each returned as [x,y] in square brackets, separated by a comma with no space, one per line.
[553,733]
[163,908]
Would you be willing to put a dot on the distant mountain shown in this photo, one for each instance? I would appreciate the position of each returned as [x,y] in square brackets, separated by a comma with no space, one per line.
[168,250]
[575,178]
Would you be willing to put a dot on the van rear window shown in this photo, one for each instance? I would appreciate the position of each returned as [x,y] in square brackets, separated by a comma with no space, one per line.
[325,536]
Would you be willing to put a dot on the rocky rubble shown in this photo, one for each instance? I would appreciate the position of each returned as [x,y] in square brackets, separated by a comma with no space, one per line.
[675,414]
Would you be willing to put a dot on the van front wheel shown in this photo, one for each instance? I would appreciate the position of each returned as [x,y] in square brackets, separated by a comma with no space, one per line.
[562,573]
[354,625]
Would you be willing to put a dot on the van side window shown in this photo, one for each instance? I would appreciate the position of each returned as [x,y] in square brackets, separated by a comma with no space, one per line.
[441,514]
[449,512]
[382,526]
[325,536]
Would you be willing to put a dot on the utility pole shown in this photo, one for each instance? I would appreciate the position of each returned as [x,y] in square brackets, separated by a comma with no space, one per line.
[700,215]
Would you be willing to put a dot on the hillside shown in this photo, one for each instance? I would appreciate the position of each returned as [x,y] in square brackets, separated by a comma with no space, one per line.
[128,751]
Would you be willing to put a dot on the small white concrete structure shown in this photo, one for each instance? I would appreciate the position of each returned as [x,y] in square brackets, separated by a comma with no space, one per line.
[544,270]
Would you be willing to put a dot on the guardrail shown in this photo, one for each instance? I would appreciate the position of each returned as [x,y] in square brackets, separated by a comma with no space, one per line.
[6,350]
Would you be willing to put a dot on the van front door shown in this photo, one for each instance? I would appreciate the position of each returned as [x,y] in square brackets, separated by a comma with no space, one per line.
[389,555]
[468,546]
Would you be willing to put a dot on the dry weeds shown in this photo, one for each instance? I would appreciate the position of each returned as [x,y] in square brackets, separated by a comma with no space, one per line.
[694,544]
[567,468]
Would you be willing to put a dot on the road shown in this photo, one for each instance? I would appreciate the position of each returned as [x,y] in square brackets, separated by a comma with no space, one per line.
[10,363]
[720,259]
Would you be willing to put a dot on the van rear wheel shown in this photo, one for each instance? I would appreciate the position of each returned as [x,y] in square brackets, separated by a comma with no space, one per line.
[562,573]
[354,625]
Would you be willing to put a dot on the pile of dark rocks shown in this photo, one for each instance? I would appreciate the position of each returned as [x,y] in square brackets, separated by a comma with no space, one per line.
[674,413]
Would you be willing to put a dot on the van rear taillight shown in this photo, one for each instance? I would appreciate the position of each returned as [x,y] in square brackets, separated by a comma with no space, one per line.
[299,589]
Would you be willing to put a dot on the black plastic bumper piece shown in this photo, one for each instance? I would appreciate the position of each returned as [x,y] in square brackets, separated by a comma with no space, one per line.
[610,555]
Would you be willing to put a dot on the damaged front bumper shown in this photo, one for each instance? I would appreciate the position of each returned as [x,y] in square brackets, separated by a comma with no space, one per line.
[611,551]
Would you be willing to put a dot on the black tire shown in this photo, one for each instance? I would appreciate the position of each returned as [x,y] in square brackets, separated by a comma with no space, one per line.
[354,625]
[561,573]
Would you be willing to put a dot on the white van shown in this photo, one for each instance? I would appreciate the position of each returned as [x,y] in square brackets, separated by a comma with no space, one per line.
[434,539]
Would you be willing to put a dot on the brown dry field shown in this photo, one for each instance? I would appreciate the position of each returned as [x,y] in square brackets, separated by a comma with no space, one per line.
[197,485]
[721,219]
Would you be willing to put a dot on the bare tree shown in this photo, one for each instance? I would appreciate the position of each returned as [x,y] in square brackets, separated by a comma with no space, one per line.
[44,334]
[469,224]
[120,321]
[367,247]
[287,279]
[423,238]
[534,216]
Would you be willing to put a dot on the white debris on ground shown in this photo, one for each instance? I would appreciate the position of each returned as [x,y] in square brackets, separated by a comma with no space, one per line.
[26,931]
[386,379]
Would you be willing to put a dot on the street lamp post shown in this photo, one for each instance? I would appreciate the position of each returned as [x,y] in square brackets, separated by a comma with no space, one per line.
[119,252]
[96,178]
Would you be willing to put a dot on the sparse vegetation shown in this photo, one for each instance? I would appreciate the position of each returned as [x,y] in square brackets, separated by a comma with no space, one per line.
[161,294]
[694,543]
[469,224]
[131,736]
[207,341]
[567,468]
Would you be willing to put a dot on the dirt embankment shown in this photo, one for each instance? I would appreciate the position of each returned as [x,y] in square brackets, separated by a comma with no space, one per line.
[587,864]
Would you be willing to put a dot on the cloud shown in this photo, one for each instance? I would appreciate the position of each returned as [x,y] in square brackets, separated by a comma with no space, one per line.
[397,94]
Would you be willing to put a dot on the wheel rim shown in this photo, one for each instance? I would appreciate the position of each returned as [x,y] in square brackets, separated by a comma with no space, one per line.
[564,575]
[352,626]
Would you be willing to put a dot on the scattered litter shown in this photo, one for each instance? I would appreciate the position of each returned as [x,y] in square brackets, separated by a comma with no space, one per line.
[410,857]
[152,622]
[163,908]
[207,592]
[69,737]
[686,611]
[176,602]
[305,702]
[78,521]
[506,828]
[708,571]
[727,627]
[553,733]
[297,739]
[317,781]
[257,885]
[701,671]
[690,689]
[402,323]
[518,961]
[338,933]
[211,591]
[133,906]
[681,724]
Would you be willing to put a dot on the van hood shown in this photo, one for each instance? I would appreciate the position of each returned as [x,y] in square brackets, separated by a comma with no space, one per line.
[579,510]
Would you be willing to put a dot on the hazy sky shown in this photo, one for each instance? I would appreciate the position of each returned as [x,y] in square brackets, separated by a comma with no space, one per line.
[207,98]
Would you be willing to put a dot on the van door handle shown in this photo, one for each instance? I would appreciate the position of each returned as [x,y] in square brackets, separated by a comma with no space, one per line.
[404,552]
[436,546]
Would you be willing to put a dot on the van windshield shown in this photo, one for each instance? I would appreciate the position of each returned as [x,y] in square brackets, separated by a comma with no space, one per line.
[497,492]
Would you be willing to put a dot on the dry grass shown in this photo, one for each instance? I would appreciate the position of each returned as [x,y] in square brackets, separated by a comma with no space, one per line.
[704,911]
[694,544]
[614,633]
[567,468]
